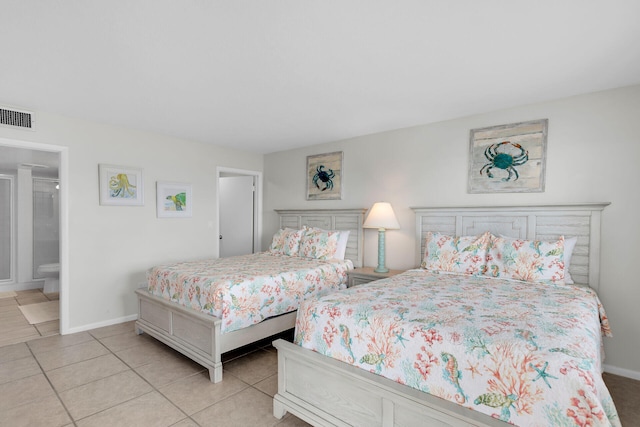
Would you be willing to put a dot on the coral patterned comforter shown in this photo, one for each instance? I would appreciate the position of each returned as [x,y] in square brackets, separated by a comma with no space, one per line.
[526,353]
[244,290]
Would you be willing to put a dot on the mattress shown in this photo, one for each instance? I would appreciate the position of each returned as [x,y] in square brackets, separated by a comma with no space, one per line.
[528,354]
[245,290]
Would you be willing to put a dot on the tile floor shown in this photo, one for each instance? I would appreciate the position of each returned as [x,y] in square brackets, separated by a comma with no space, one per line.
[113,377]
[14,328]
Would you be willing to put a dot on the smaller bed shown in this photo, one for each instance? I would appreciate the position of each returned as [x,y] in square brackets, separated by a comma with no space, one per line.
[208,307]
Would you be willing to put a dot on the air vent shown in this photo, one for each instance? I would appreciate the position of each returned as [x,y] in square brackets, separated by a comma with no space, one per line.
[16,118]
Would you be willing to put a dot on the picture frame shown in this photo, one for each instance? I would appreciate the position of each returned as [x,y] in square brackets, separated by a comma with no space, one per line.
[174,200]
[508,158]
[324,176]
[120,185]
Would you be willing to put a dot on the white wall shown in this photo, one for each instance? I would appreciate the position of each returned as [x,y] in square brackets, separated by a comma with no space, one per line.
[593,155]
[111,247]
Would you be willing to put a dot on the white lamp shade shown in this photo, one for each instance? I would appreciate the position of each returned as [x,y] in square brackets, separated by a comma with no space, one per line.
[381,216]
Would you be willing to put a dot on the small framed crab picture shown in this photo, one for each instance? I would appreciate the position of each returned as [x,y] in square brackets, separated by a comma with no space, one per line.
[508,158]
[324,176]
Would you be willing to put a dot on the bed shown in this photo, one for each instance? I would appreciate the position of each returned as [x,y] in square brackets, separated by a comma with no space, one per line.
[436,347]
[172,309]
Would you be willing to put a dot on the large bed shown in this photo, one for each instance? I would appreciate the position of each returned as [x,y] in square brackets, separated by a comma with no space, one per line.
[446,345]
[183,304]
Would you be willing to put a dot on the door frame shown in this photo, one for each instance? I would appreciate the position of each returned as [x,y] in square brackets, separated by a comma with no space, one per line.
[222,171]
[63,176]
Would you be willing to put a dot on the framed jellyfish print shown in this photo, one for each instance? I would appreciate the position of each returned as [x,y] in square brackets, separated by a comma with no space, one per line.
[121,185]
[324,176]
[508,158]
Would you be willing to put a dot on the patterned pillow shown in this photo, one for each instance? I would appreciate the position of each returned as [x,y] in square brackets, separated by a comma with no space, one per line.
[456,255]
[286,242]
[526,260]
[319,244]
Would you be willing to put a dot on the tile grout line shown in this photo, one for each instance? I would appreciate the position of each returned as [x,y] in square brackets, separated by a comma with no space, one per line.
[153,388]
[51,385]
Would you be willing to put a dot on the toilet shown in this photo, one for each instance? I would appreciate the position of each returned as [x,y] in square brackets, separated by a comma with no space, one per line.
[51,274]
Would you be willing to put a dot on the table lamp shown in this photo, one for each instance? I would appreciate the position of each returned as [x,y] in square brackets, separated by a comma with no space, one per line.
[381,216]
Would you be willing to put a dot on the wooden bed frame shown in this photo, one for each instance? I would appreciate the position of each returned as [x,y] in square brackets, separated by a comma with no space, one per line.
[327,392]
[198,336]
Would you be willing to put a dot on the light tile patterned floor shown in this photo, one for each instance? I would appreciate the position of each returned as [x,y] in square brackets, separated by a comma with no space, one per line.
[113,377]
[14,328]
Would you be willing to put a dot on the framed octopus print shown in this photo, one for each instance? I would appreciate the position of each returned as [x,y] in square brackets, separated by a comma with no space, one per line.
[324,176]
[508,158]
[121,186]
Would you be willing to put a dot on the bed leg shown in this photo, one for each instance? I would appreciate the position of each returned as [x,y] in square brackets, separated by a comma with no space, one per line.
[278,409]
[215,373]
[138,330]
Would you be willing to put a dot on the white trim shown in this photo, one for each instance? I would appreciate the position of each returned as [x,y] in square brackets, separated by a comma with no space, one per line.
[104,323]
[257,206]
[628,373]
[63,175]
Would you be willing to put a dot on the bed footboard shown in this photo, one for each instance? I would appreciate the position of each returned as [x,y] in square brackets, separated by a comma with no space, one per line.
[197,335]
[326,392]
[193,334]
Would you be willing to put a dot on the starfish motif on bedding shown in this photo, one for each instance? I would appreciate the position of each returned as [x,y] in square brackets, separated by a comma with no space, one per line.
[542,373]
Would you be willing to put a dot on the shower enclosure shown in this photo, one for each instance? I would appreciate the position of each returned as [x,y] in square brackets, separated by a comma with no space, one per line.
[6,229]
[46,223]
[36,230]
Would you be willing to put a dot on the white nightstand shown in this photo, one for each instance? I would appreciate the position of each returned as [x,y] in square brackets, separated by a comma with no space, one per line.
[358,276]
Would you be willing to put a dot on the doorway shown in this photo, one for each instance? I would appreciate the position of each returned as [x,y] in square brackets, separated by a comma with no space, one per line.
[239,208]
[33,150]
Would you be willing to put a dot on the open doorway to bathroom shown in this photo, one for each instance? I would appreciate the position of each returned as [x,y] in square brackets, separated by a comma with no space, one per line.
[33,239]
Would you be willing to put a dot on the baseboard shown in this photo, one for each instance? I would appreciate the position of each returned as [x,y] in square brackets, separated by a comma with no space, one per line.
[634,375]
[101,324]
[26,286]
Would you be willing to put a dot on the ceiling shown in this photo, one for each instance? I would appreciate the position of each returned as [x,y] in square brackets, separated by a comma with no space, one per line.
[271,75]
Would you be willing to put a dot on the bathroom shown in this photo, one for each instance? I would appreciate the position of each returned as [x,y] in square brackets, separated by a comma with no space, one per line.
[29,220]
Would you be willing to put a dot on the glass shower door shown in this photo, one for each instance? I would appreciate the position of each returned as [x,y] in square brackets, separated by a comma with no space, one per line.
[46,223]
[6,228]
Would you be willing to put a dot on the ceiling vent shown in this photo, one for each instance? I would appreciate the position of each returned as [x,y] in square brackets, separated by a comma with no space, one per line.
[16,118]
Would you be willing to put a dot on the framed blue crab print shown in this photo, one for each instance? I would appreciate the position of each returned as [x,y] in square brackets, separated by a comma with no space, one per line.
[508,158]
[324,176]
[121,185]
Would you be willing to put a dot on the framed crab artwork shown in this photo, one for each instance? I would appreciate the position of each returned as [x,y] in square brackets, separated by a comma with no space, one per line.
[324,176]
[508,158]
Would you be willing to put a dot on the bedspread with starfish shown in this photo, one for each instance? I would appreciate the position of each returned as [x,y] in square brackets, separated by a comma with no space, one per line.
[528,354]
[244,290]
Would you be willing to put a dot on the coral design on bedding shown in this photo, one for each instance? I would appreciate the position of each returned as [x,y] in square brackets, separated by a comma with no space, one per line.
[244,290]
[459,255]
[526,353]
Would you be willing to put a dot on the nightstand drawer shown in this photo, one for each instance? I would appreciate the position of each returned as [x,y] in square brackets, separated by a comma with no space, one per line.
[363,275]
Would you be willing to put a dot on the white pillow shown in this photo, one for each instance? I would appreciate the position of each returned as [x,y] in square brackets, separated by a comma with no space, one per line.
[342,244]
[569,245]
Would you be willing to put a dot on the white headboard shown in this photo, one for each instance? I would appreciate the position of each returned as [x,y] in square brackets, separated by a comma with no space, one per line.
[331,219]
[546,222]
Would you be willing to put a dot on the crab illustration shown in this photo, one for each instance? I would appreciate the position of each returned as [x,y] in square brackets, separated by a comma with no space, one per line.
[505,155]
[323,178]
